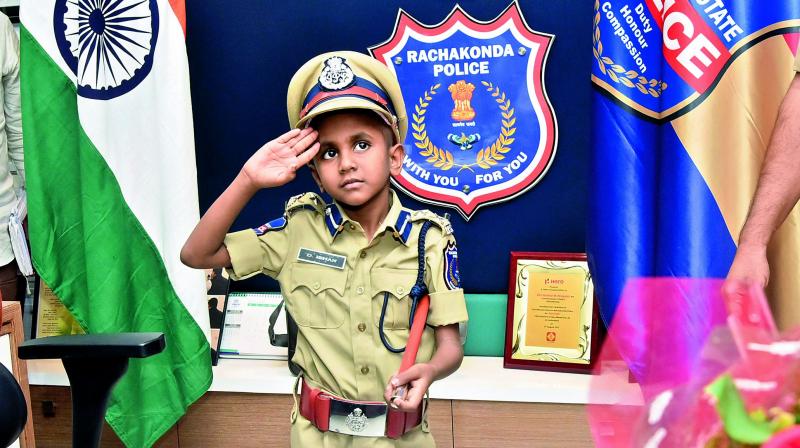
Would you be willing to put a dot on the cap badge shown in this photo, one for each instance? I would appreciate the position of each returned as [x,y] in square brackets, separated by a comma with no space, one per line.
[336,75]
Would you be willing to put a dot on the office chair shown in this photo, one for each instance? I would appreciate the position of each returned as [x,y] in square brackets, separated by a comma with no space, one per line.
[13,411]
[94,363]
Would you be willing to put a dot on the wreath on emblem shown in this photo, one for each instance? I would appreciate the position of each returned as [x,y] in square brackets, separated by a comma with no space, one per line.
[618,73]
[486,157]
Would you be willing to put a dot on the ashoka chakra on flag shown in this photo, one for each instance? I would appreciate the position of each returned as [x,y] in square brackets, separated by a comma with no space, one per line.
[108,44]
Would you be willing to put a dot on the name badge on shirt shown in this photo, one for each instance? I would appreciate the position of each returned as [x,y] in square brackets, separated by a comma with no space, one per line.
[321,258]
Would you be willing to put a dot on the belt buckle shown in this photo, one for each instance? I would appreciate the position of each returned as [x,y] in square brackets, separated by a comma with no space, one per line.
[358,418]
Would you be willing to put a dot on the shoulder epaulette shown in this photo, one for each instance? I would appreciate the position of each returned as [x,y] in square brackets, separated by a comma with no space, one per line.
[440,221]
[305,201]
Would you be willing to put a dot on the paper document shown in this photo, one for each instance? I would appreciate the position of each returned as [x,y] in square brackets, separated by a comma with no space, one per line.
[245,333]
[18,243]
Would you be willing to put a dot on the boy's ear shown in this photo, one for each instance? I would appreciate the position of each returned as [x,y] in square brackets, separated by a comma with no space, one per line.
[313,167]
[397,154]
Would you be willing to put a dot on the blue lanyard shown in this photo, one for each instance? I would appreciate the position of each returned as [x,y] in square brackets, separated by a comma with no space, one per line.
[417,291]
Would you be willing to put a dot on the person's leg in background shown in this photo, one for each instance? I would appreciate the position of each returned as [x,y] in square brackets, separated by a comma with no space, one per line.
[22,286]
[8,281]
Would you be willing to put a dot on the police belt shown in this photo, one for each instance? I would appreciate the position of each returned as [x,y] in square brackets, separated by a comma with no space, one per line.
[357,418]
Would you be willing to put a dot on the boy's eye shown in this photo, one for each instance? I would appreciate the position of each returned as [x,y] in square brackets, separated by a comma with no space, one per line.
[362,146]
[328,154]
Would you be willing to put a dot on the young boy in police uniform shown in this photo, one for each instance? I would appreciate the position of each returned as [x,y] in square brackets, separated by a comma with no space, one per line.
[346,268]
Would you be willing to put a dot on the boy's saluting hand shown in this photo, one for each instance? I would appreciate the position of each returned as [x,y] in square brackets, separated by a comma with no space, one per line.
[273,165]
[276,163]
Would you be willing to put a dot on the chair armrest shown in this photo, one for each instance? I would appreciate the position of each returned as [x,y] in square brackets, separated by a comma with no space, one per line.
[112,345]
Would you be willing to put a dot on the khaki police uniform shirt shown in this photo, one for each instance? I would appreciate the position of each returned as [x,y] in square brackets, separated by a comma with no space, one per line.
[337,299]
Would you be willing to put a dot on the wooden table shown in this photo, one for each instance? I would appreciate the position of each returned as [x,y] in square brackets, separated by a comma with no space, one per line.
[481,405]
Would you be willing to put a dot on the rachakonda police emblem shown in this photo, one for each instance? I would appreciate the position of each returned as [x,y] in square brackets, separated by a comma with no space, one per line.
[336,75]
[356,420]
[481,128]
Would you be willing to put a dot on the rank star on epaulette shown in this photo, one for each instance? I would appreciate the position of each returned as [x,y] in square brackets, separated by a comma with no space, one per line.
[442,222]
[294,200]
[310,201]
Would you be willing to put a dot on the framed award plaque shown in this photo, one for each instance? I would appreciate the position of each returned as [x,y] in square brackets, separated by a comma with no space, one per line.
[50,316]
[551,322]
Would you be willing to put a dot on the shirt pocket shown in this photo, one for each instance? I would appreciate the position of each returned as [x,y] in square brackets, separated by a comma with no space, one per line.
[317,296]
[397,283]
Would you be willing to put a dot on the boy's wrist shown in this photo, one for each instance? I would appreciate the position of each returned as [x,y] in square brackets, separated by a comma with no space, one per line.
[242,182]
[433,371]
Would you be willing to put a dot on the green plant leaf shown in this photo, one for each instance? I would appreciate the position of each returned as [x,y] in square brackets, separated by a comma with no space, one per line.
[735,418]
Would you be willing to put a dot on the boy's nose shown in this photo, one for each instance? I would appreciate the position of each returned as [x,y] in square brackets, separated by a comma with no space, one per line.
[346,162]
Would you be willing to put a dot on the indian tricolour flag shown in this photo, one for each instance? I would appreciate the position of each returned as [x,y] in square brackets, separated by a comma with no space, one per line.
[112,189]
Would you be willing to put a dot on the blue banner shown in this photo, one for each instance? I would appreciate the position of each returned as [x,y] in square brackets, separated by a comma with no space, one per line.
[681,120]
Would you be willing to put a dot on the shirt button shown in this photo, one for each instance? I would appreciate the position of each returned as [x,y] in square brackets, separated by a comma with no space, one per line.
[315,285]
[365,370]
[352,227]
[360,290]
[362,327]
[363,254]
[401,290]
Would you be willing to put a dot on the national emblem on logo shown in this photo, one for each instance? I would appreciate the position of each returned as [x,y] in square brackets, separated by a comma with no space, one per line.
[482,129]
[336,75]
[108,45]
[356,420]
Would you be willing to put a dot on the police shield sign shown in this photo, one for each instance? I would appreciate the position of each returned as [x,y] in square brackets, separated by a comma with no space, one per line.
[482,129]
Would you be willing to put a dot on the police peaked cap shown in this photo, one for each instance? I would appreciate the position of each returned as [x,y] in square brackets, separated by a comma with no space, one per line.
[343,80]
